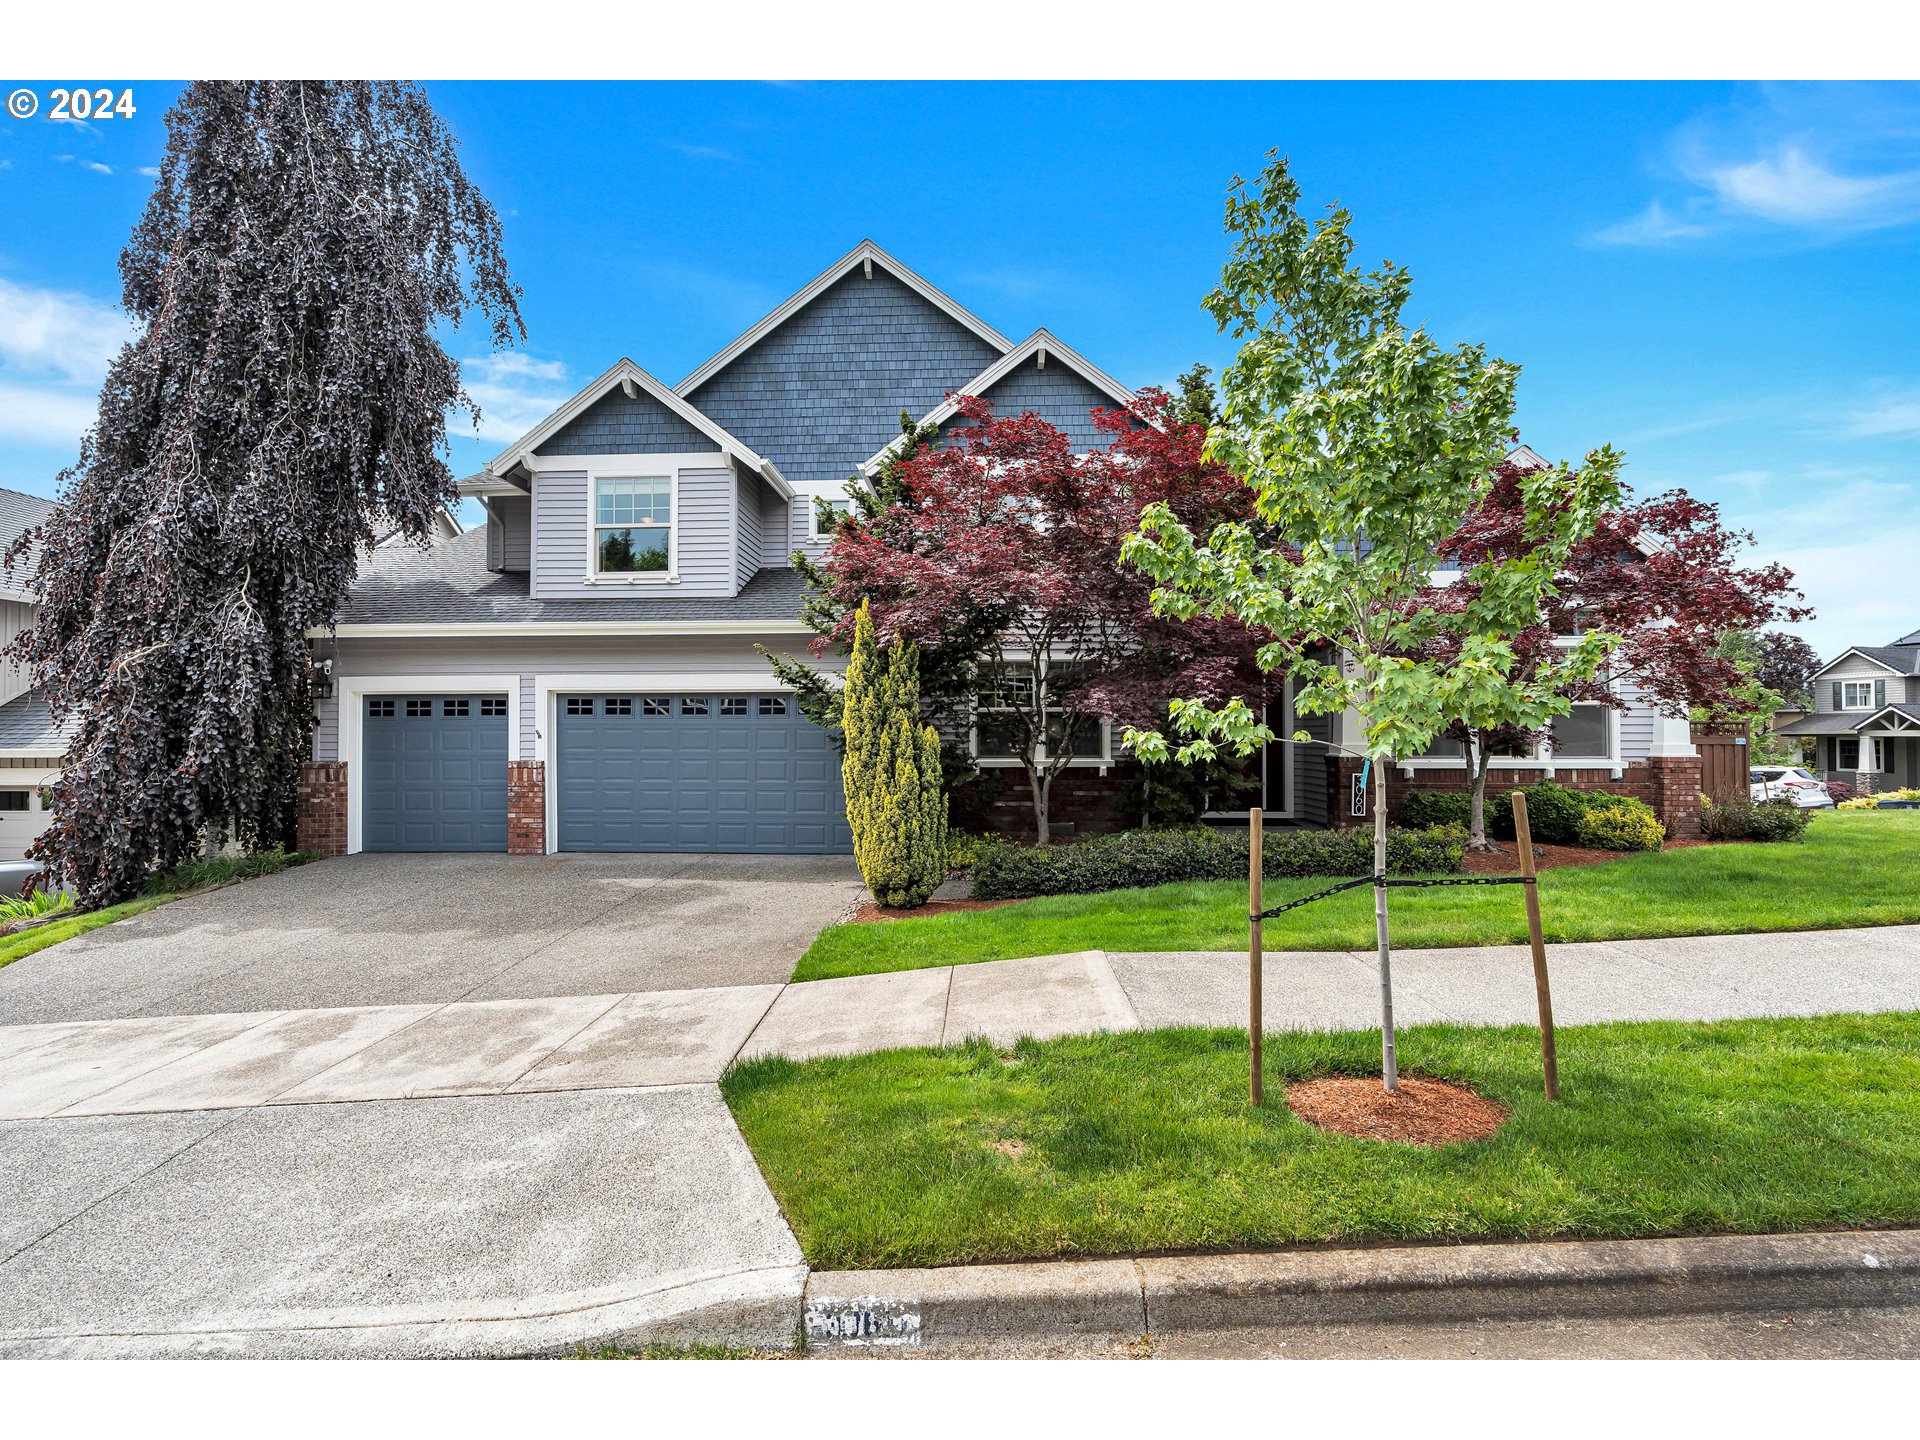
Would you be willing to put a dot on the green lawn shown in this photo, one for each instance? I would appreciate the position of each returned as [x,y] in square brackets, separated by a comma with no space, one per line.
[1854,868]
[25,942]
[1123,1143]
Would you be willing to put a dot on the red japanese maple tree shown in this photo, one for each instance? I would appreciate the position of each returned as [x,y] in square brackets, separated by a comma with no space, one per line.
[1007,541]
[1663,574]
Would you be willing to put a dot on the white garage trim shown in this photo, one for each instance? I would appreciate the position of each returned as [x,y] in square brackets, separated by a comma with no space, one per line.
[354,689]
[546,708]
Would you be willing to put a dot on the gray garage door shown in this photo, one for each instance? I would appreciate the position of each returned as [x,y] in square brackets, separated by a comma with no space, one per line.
[436,772]
[696,772]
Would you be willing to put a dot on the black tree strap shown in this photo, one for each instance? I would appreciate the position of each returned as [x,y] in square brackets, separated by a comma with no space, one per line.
[1382,882]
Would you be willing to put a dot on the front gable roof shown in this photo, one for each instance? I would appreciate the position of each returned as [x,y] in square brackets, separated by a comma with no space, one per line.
[629,378]
[1902,659]
[1039,348]
[863,256]
[1894,716]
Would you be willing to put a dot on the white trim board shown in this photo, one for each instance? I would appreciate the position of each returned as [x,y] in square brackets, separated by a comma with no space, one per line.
[351,690]
[428,629]
[1043,344]
[624,374]
[866,254]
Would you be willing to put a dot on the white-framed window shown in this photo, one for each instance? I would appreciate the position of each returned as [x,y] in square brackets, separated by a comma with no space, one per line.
[824,512]
[1583,733]
[632,526]
[1856,694]
[1878,755]
[1000,729]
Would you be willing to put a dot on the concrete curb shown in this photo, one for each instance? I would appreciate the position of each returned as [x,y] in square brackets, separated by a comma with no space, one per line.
[1116,1302]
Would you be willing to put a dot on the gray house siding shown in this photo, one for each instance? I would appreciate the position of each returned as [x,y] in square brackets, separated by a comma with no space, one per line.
[825,389]
[746,509]
[1635,723]
[665,660]
[1310,769]
[703,537]
[1057,395]
[509,533]
[615,425]
[1857,667]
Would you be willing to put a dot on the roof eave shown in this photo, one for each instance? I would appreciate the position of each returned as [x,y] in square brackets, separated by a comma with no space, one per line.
[865,253]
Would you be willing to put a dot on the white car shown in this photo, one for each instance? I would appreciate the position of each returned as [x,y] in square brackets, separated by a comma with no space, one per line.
[1788,782]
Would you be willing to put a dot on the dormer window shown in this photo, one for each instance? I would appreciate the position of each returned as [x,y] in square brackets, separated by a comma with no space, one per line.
[632,525]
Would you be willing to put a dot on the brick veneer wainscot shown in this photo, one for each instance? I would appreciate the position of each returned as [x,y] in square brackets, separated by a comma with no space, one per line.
[1669,783]
[321,825]
[526,807]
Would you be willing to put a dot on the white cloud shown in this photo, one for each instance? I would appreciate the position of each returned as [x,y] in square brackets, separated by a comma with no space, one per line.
[50,332]
[152,172]
[1853,586]
[54,352]
[702,152]
[1809,162]
[1896,414]
[44,414]
[514,391]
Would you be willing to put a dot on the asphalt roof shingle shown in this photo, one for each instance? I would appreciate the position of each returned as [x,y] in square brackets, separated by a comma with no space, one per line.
[27,724]
[449,584]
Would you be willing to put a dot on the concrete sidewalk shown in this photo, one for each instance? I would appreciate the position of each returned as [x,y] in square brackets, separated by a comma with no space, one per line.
[652,1038]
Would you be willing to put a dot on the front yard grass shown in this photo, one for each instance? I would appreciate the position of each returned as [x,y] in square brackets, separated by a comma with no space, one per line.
[1854,868]
[1114,1144]
[189,879]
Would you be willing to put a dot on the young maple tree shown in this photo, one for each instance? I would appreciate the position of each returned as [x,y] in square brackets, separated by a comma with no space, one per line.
[283,402]
[1002,555]
[1363,443]
[1662,576]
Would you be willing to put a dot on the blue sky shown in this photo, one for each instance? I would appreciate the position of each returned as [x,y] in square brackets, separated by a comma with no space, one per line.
[1718,279]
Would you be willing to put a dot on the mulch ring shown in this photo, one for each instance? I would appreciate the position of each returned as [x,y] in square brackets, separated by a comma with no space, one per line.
[1506,860]
[870,911]
[1421,1112]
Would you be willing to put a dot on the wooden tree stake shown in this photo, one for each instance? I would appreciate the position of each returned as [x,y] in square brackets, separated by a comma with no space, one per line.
[1523,831]
[1255,1023]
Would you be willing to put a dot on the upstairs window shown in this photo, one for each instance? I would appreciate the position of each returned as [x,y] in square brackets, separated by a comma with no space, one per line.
[1856,695]
[828,512]
[632,525]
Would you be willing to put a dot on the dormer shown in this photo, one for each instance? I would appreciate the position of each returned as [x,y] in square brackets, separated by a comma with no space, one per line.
[627,490]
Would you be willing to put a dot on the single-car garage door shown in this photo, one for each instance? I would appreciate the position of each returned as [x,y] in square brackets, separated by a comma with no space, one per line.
[435,772]
[696,772]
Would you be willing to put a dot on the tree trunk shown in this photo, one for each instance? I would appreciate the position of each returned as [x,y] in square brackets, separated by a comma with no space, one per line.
[1042,786]
[1477,809]
[1389,1061]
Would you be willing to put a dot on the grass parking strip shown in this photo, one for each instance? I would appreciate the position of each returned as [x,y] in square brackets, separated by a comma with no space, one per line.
[1118,1144]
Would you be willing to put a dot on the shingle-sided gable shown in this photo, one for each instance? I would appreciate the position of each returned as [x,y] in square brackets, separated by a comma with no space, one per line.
[824,390]
[618,425]
[1059,395]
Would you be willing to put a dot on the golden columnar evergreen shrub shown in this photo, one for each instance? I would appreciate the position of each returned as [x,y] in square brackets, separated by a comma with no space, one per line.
[891,772]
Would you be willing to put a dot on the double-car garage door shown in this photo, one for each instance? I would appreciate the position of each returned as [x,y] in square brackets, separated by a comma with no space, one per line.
[628,771]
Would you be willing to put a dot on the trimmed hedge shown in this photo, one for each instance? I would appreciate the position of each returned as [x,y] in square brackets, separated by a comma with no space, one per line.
[1631,826]
[1135,858]
[1554,811]
[1773,821]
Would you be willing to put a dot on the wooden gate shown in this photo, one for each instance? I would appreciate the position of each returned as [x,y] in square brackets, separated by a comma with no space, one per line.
[1724,762]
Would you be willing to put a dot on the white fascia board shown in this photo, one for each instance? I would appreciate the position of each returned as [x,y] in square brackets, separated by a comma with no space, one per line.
[1040,340]
[32,752]
[1854,655]
[622,374]
[18,596]
[424,630]
[864,253]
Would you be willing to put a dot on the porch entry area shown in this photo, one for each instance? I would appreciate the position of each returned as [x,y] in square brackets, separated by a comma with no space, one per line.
[1873,762]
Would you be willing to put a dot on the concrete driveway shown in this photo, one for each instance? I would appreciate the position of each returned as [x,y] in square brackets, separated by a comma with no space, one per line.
[429,929]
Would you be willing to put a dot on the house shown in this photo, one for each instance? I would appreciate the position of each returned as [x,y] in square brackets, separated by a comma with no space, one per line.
[32,747]
[580,673]
[1864,728]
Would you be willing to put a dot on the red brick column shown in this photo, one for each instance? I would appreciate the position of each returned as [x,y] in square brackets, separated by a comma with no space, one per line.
[1676,794]
[526,807]
[321,825]
[1340,772]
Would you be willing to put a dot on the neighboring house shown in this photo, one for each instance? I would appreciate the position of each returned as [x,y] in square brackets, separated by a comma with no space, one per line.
[1865,725]
[32,747]
[580,673]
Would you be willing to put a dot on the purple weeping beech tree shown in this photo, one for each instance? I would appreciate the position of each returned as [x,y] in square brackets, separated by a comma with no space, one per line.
[283,401]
